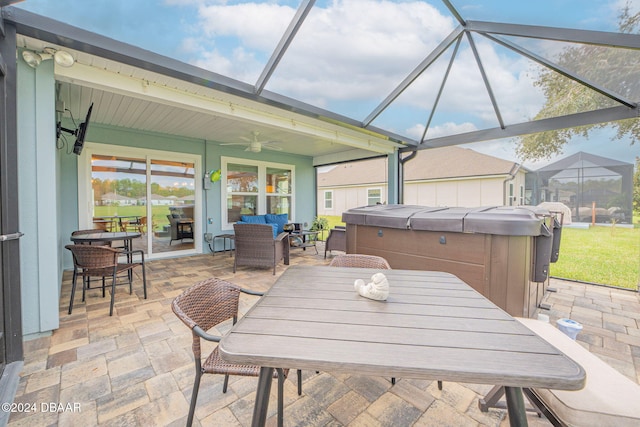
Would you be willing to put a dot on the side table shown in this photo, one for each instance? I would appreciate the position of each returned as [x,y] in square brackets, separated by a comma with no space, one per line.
[309,239]
[224,237]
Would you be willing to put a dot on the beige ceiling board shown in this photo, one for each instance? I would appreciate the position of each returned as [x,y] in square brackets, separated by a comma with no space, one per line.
[222,105]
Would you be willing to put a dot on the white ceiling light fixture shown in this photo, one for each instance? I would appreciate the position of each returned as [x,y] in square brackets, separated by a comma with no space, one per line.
[61,57]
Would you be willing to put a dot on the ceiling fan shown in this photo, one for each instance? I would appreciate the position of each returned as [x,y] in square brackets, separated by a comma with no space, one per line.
[254,145]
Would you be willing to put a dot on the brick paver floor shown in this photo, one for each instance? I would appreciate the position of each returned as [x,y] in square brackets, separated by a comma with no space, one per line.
[136,368]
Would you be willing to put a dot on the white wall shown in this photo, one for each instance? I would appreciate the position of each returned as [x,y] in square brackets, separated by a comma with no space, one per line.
[345,198]
[472,192]
[456,193]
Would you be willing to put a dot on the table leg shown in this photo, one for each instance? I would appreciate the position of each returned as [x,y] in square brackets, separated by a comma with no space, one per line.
[128,246]
[515,407]
[491,399]
[262,397]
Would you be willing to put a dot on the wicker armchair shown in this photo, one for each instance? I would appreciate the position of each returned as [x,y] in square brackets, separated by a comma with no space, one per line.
[102,261]
[256,246]
[203,306]
[336,241]
[361,261]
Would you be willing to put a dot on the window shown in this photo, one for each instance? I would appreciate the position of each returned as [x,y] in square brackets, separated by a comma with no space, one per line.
[133,189]
[511,198]
[255,188]
[374,196]
[521,195]
[328,199]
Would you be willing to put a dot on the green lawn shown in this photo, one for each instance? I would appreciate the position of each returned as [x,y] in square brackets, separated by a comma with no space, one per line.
[159,213]
[603,255]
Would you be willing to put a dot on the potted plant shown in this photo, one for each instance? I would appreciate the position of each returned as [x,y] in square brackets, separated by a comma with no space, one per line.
[320,224]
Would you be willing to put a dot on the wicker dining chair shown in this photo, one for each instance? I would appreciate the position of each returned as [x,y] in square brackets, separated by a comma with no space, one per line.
[89,231]
[365,261]
[360,261]
[102,261]
[203,306]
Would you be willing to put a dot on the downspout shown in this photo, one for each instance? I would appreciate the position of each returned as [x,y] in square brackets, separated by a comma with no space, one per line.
[512,174]
[401,175]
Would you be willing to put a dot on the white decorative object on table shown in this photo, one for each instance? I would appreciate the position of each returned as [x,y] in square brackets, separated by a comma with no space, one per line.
[377,289]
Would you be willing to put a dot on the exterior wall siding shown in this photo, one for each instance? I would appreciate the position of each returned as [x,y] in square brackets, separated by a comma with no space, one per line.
[468,192]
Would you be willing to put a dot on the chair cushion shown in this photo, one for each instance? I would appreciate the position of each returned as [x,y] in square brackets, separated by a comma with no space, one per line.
[253,219]
[279,219]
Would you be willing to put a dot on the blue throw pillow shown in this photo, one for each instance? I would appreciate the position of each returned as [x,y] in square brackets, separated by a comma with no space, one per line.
[253,219]
[279,219]
[275,230]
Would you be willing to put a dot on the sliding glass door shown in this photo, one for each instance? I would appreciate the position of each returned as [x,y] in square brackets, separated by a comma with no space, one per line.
[153,193]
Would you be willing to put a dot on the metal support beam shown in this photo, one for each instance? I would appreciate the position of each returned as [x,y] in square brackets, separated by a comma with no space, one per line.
[485,79]
[564,122]
[601,38]
[561,70]
[430,59]
[454,12]
[444,82]
[283,45]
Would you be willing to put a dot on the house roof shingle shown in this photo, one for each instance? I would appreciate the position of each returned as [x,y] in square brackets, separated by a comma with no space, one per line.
[436,163]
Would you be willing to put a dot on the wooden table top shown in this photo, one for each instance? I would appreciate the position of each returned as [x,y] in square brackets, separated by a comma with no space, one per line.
[432,326]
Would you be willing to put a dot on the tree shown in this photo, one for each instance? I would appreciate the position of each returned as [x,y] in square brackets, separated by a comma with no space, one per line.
[611,68]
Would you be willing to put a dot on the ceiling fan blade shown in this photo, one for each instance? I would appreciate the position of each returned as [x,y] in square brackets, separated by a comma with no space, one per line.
[234,143]
[272,147]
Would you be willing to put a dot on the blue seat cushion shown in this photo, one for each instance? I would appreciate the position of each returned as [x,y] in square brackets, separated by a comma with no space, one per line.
[253,219]
[279,219]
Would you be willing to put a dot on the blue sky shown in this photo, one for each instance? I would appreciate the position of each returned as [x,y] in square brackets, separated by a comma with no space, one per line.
[350,54]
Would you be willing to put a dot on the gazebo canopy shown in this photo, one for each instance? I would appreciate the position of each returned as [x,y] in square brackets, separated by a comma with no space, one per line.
[585,182]
[339,80]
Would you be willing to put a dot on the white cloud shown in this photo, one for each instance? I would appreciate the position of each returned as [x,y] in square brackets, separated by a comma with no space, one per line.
[347,50]
[356,52]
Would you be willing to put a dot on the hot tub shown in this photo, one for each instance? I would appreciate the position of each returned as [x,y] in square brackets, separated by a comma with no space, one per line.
[502,252]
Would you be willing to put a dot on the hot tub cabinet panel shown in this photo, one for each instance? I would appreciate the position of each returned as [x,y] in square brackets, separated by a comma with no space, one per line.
[500,267]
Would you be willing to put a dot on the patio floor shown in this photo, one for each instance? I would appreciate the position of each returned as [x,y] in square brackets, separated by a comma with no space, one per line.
[136,368]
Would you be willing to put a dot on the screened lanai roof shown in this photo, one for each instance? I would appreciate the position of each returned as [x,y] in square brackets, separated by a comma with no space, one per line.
[412,74]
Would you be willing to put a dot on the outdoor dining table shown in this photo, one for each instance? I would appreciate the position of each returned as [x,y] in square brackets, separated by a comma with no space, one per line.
[108,236]
[432,326]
